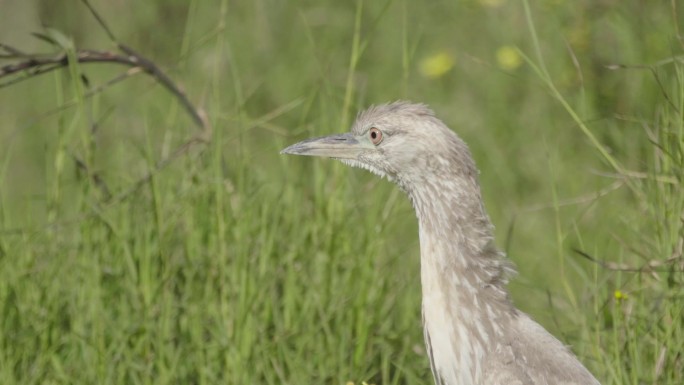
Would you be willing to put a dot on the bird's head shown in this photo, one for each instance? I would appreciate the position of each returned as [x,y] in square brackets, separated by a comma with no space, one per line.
[402,141]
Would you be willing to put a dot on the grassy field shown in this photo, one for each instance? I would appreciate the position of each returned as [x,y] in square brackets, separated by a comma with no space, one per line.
[233,264]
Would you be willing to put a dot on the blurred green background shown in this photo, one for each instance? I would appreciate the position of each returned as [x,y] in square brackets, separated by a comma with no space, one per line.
[236,265]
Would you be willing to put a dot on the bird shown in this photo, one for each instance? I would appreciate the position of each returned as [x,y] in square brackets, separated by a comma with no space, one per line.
[473,332]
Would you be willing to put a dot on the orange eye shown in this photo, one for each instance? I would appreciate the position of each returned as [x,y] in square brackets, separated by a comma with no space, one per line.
[375,135]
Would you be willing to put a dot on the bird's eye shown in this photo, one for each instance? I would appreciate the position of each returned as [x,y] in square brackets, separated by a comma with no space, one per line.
[375,135]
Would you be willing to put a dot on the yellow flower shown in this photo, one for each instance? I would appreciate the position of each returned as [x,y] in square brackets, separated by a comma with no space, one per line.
[508,58]
[619,295]
[437,65]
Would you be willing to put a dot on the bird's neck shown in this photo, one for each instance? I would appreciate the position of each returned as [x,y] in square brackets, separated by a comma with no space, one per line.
[463,275]
[456,237]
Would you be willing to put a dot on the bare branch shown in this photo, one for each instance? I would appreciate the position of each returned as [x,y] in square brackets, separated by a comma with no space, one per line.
[31,65]
[37,65]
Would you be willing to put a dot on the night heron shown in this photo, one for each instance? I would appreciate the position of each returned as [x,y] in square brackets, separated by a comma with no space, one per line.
[473,333]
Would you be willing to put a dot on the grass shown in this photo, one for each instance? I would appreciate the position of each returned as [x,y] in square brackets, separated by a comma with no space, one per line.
[237,265]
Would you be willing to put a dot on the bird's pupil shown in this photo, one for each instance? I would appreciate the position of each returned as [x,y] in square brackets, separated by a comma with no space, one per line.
[374,134]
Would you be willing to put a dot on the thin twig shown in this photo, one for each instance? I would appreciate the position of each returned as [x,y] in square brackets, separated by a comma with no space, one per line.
[166,81]
[100,21]
[13,52]
[640,175]
[134,187]
[71,103]
[590,197]
[650,266]
[95,177]
[652,69]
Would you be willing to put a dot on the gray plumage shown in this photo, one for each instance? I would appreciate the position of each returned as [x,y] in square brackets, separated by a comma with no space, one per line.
[473,333]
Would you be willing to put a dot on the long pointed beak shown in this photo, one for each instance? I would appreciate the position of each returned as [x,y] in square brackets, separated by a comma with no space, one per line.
[343,146]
